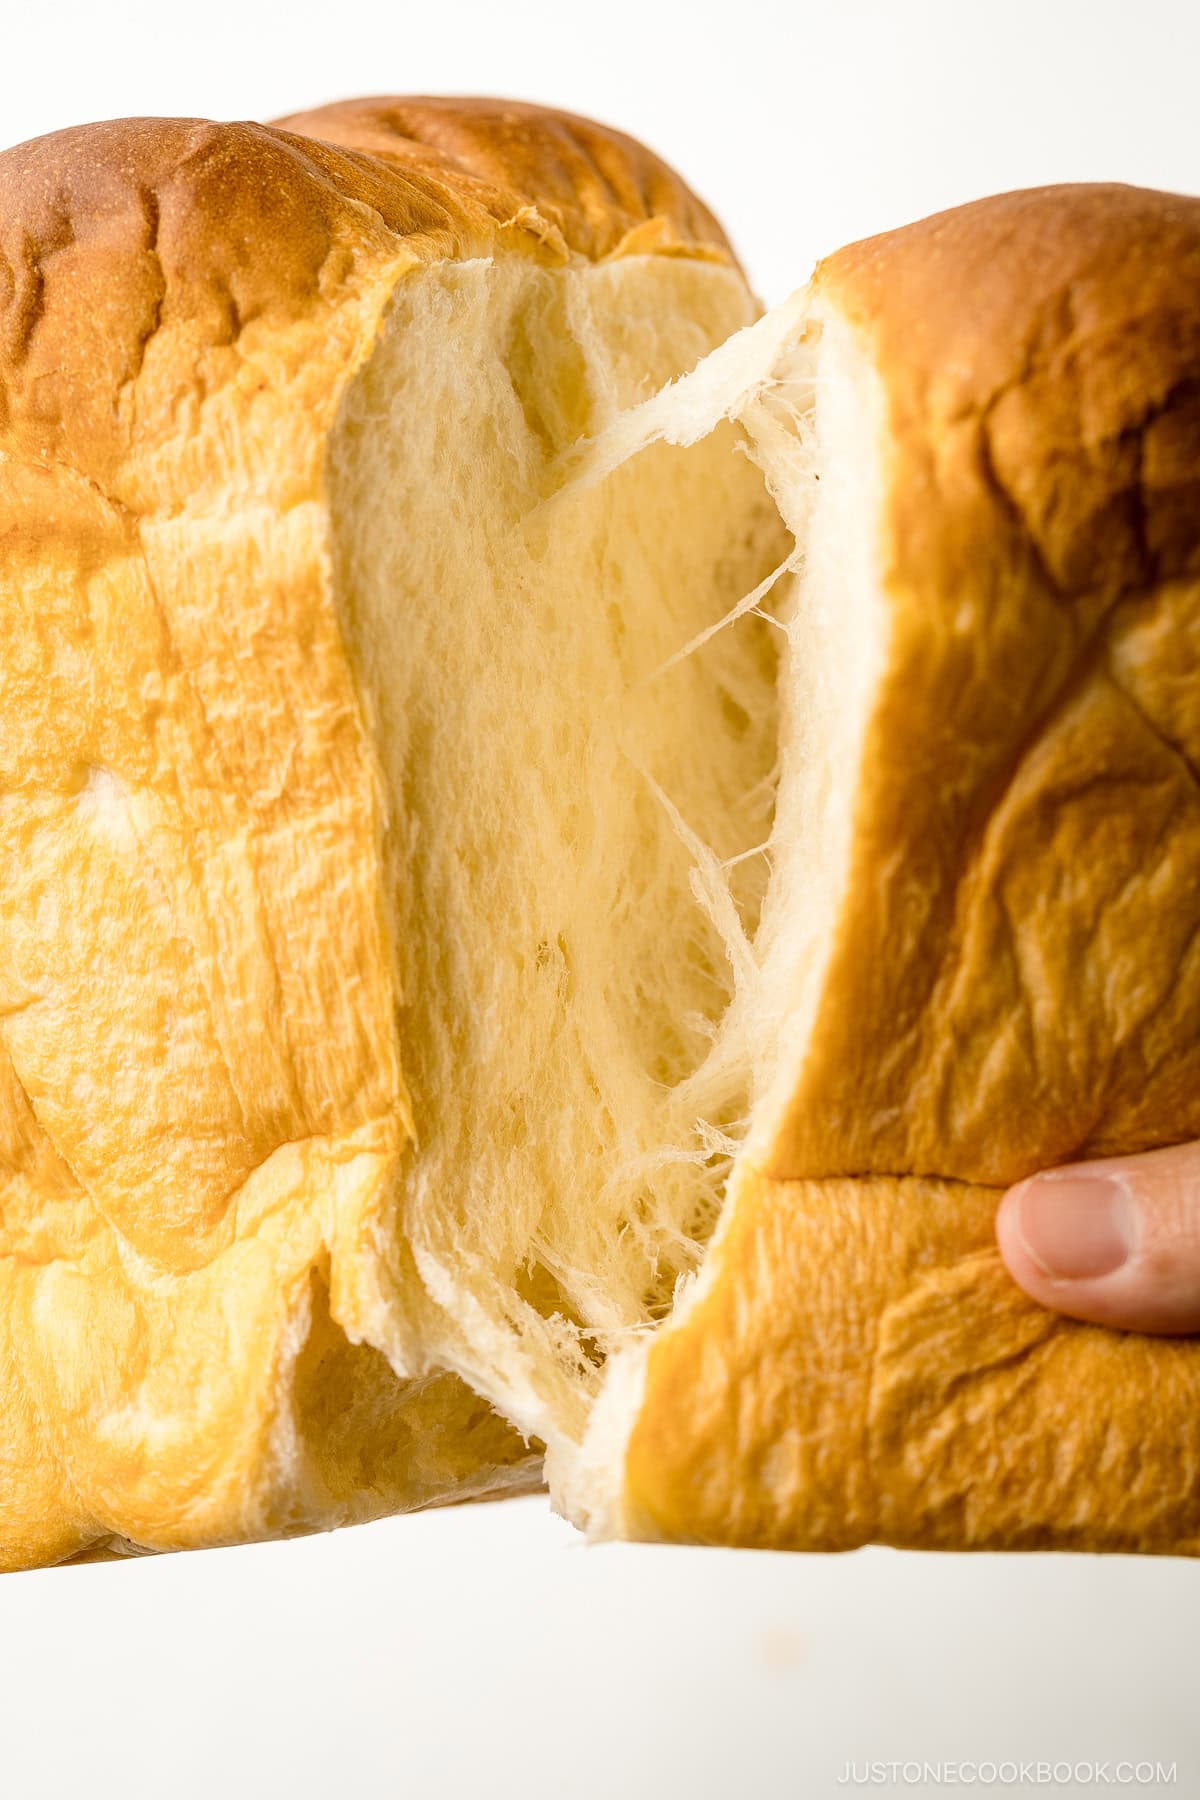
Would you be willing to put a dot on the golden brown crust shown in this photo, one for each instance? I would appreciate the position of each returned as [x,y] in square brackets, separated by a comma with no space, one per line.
[863,1368]
[1015,978]
[566,179]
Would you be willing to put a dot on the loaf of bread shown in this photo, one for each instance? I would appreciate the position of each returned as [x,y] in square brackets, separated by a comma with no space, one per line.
[561,841]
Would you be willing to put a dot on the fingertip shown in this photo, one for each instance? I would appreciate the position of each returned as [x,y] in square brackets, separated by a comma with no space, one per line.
[1027,1269]
[1092,1241]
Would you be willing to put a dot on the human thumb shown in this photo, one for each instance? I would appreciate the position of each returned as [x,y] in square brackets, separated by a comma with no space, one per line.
[1116,1241]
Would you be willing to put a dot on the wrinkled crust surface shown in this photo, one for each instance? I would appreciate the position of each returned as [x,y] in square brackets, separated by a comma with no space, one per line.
[862,1368]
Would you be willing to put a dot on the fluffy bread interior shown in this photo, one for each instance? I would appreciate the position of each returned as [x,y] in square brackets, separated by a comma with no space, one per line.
[809,406]
[619,692]
[576,810]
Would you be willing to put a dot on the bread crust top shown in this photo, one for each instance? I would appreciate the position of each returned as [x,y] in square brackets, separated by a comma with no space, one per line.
[573,185]
[131,247]
[1065,321]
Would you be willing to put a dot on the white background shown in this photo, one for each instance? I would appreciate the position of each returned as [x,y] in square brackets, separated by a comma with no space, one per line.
[485,1651]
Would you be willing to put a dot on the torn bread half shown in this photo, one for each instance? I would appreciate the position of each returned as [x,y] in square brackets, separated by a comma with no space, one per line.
[978,949]
[541,907]
[277,405]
